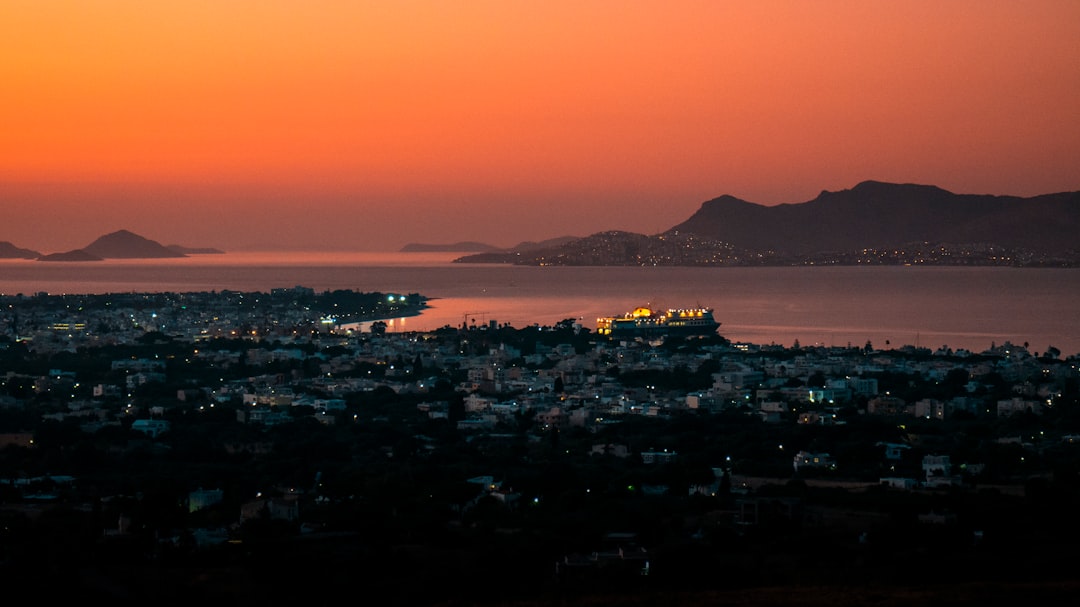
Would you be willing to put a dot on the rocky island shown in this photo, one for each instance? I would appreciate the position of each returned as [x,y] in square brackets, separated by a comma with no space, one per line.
[121,244]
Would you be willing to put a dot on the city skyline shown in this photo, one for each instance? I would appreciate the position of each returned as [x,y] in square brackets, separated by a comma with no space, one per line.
[363,126]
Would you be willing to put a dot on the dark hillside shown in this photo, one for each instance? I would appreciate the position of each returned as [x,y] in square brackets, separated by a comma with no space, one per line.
[126,245]
[876,214]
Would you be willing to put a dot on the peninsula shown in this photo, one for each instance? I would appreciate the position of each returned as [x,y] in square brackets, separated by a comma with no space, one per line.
[873,223]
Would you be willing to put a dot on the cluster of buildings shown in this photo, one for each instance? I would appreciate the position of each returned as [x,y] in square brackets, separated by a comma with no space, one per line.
[49,323]
[558,384]
[554,378]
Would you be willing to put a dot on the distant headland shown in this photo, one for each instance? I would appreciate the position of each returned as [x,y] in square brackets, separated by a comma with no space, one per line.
[481,248]
[874,223]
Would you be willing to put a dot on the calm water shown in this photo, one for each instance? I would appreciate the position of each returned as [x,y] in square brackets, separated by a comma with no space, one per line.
[927,306]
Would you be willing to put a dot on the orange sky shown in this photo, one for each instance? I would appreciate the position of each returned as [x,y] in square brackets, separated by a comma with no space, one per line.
[355,125]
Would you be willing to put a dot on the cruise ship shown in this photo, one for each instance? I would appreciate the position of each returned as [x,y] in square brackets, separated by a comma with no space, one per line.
[646,322]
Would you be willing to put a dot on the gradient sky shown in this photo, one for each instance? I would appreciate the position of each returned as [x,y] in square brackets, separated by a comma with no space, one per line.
[355,125]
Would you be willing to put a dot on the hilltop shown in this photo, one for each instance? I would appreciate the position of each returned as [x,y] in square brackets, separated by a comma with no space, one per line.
[872,223]
[123,244]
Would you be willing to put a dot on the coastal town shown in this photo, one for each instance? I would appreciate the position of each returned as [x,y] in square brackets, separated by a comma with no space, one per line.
[205,443]
[617,248]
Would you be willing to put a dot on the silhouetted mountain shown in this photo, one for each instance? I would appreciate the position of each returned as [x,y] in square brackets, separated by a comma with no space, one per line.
[175,248]
[872,223]
[875,214]
[126,245]
[76,255]
[10,251]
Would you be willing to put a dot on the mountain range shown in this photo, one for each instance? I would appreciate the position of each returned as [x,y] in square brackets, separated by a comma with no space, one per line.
[876,214]
[873,222]
[864,224]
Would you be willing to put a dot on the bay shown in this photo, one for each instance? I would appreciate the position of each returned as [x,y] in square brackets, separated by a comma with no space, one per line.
[928,306]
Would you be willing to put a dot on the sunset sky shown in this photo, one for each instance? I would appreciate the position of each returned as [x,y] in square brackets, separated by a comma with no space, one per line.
[355,125]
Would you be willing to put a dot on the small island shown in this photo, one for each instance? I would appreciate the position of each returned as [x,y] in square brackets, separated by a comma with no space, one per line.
[121,244]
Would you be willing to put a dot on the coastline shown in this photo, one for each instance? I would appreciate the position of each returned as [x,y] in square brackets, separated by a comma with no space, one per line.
[959,308]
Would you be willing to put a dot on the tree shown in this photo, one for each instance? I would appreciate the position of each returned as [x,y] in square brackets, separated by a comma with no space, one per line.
[566,324]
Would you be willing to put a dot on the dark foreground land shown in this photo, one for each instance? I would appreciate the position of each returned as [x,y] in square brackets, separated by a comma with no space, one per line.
[459,468]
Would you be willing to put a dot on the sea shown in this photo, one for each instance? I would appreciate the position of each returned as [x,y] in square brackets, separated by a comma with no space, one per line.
[969,308]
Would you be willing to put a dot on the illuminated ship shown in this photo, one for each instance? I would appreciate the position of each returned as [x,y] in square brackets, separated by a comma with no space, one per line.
[646,322]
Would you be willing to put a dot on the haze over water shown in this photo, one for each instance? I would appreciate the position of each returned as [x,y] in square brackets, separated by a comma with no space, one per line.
[970,308]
